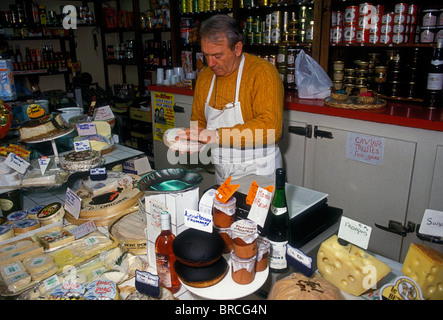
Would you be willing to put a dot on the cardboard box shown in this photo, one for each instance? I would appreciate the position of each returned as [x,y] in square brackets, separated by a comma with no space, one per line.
[7,84]
[175,204]
[137,166]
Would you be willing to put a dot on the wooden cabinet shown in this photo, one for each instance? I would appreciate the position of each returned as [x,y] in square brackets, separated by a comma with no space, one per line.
[400,188]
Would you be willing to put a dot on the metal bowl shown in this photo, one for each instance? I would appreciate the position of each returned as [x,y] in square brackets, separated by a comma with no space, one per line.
[169,180]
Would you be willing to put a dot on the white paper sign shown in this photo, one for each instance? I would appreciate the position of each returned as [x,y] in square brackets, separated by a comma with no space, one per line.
[104,113]
[15,162]
[354,232]
[432,223]
[368,149]
[81,145]
[73,203]
[43,162]
[83,229]
[198,220]
[260,206]
[86,129]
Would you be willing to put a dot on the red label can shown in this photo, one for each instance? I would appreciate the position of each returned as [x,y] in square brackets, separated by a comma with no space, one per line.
[362,36]
[401,8]
[351,15]
[350,34]
[336,34]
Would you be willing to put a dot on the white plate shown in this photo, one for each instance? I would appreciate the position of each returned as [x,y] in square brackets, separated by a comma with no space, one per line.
[227,288]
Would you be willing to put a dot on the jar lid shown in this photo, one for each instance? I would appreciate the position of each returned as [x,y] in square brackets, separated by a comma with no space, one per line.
[244,229]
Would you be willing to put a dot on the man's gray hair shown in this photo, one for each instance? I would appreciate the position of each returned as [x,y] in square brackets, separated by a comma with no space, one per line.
[219,26]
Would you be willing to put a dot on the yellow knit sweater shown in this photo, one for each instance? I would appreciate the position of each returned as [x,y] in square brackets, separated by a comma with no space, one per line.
[261,99]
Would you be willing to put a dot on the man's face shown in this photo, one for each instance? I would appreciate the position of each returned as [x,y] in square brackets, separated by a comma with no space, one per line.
[219,56]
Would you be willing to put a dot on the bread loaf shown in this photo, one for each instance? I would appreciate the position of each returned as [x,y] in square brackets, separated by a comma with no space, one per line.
[299,287]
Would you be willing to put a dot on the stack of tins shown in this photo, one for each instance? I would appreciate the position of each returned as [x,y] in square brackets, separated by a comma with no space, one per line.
[368,23]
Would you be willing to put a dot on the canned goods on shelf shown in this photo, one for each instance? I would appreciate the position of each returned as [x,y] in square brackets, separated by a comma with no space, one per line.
[427,34]
[401,7]
[351,15]
[336,34]
[429,17]
[350,34]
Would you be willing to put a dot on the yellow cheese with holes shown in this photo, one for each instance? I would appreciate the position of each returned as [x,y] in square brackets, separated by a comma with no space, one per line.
[424,265]
[348,267]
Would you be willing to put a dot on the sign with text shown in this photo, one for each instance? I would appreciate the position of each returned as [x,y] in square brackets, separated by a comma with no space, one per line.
[432,223]
[86,129]
[354,232]
[368,149]
[104,113]
[198,220]
[73,203]
[15,162]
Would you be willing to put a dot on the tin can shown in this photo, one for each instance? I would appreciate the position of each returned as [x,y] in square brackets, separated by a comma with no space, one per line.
[275,19]
[363,22]
[362,36]
[427,34]
[333,18]
[350,34]
[386,28]
[400,28]
[429,18]
[413,9]
[282,56]
[351,15]
[401,8]
[257,24]
[386,38]
[302,12]
[387,18]
[336,34]
[365,9]
[275,35]
[398,38]
[374,38]
[400,18]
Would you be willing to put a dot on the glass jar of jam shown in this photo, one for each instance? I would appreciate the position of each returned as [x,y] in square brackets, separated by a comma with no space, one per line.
[242,270]
[244,235]
[263,247]
[224,213]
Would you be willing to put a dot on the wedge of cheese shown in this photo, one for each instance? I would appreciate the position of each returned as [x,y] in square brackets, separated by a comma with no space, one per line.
[425,266]
[348,267]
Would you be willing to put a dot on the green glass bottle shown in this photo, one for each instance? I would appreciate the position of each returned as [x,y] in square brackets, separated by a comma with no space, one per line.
[277,226]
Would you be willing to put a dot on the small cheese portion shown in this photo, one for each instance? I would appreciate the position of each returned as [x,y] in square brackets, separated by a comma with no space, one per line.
[349,267]
[103,128]
[425,266]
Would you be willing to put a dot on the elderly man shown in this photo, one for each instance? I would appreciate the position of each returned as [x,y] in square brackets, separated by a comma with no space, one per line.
[238,103]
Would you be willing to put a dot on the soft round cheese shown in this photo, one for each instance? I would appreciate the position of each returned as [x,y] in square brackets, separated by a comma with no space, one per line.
[6,232]
[51,213]
[101,290]
[17,215]
[33,211]
[25,225]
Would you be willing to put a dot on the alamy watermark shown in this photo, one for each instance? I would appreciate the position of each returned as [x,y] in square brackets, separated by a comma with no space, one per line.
[70,18]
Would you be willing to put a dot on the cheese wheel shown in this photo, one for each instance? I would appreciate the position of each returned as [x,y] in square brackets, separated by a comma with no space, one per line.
[6,232]
[38,263]
[17,216]
[101,290]
[51,213]
[25,225]
[32,212]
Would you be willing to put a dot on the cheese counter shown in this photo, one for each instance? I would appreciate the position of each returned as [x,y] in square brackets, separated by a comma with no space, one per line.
[396,112]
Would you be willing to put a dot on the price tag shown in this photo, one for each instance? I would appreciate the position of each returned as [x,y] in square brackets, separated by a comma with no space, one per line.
[73,203]
[82,145]
[226,190]
[299,260]
[198,220]
[83,229]
[354,232]
[86,129]
[432,223]
[147,283]
[104,113]
[260,206]
[43,162]
[15,162]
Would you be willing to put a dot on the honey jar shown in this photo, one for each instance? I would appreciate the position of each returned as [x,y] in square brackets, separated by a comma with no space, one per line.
[242,270]
[224,213]
[244,237]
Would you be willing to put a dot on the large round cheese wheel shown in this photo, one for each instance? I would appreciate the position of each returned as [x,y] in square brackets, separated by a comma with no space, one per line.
[198,248]
[202,277]
[299,287]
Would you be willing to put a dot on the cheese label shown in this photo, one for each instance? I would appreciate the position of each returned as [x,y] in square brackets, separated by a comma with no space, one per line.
[354,232]
[82,145]
[43,163]
[73,203]
[198,220]
[404,288]
[15,162]
[147,283]
[86,129]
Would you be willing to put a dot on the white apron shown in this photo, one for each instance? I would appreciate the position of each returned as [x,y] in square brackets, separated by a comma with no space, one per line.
[235,162]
